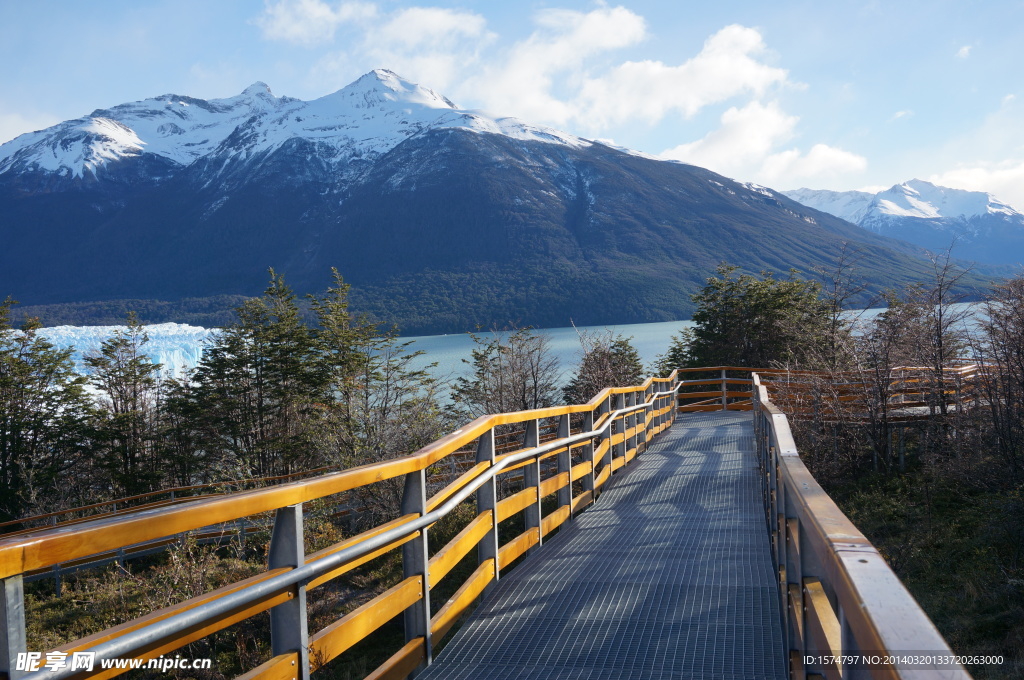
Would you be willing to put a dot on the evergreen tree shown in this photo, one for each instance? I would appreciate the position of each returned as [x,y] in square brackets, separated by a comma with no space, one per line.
[255,386]
[743,320]
[125,428]
[187,454]
[44,414]
[678,353]
[377,405]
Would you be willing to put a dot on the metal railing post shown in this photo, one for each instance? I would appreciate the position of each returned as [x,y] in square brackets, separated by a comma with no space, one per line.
[658,404]
[487,499]
[646,412]
[415,562]
[634,424]
[588,454]
[623,446]
[725,392]
[666,406]
[12,626]
[564,459]
[531,478]
[609,455]
[289,631]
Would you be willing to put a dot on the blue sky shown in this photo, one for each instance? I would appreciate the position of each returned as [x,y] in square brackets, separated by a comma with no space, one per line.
[840,95]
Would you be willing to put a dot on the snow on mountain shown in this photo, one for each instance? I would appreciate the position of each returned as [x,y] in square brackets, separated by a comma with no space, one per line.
[918,198]
[976,224]
[851,206]
[178,347]
[365,119]
[915,198]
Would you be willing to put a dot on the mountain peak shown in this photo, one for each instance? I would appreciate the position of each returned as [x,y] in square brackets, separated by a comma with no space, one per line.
[361,121]
[982,227]
[922,199]
[257,89]
[382,86]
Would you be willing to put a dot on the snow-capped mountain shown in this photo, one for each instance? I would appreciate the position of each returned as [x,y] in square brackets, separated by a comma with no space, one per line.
[361,121]
[440,218]
[978,225]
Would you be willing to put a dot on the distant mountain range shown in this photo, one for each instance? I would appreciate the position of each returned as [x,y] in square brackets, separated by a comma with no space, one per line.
[977,225]
[441,218]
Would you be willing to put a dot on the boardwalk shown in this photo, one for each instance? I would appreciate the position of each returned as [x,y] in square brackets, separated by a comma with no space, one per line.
[668,576]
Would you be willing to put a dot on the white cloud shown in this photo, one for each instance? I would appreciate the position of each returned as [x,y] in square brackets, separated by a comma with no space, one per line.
[433,46]
[1004,180]
[564,73]
[309,22]
[902,114]
[428,44]
[963,52]
[649,90]
[746,143]
[820,162]
[560,74]
[548,76]
[745,137]
[521,81]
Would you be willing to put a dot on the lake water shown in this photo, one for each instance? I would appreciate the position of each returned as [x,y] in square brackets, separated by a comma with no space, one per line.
[179,347]
[450,351]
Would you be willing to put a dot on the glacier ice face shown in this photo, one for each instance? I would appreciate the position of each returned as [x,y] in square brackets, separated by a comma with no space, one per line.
[178,347]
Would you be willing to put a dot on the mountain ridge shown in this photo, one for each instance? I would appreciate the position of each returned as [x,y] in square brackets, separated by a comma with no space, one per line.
[442,219]
[975,224]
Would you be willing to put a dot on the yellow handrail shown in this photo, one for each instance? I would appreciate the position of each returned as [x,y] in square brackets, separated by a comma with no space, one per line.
[616,425]
[834,584]
[840,601]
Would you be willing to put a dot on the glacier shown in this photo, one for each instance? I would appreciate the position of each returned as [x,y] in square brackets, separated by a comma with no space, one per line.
[178,347]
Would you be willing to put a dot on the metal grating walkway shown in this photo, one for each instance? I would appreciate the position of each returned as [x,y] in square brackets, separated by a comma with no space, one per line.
[668,576]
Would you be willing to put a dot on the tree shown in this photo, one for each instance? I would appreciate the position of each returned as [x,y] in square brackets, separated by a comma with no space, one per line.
[125,429]
[743,320]
[884,345]
[255,387]
[512,371]
[607,361]
[944,331]
[678,353]
[1003,350]
[376,405]
[44,414]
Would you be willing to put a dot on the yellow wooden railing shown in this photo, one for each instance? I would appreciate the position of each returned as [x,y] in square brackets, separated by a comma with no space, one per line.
[144,501]
[845,613]
[837,593]
[569,466]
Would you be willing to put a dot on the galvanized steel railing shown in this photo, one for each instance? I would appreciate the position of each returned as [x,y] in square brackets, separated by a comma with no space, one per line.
[610,431]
